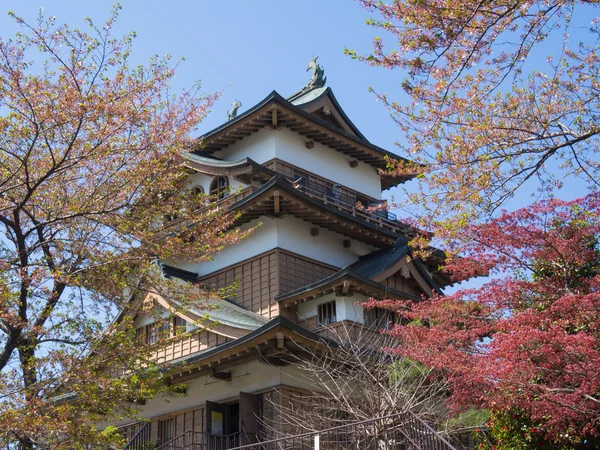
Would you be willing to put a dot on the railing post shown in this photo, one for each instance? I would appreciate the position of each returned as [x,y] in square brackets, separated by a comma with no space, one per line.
[317,441]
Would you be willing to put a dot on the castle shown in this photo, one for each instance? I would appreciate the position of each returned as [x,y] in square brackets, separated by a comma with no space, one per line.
[301,169]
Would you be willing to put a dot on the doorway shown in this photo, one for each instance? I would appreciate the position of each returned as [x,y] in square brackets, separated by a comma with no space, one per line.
[231,424]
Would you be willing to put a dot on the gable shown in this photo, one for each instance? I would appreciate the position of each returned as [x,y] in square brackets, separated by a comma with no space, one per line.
[326,108]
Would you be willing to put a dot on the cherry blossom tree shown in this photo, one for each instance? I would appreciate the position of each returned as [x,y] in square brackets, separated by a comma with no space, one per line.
[90,164]
[528,341]
[500,94]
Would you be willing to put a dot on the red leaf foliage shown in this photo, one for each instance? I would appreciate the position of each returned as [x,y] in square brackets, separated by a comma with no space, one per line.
[528,339]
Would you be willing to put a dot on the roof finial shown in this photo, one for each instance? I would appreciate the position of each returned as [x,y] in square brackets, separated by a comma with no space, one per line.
[234,109]
[318,76]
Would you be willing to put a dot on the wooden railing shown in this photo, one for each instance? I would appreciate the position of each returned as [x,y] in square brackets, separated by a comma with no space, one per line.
[343,198]
[400,431]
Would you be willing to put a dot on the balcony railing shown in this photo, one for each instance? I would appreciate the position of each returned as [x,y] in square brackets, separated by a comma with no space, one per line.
[343,198]
[142,440]
[402,431]
[375,214]
[194,440]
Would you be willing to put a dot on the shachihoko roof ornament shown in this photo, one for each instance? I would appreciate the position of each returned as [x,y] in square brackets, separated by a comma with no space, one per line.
[234,109]
[318,78]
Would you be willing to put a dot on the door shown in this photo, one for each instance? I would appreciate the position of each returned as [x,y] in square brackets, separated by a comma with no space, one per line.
[249,416]
[216,415]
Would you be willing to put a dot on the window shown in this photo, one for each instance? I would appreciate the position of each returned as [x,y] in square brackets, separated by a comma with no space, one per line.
[380,318]
[197,190]
[166,430]
[150,334]
[326,313]
[179,326]
[219,187]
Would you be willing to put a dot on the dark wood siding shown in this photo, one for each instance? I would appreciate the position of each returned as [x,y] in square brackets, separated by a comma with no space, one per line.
[260,279]
[180,347]
[397,281]
[297,271]
[256,283]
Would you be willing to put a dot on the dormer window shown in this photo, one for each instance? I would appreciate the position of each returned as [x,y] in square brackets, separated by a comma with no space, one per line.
[197,190]
[380,318]
[219,187]
[326,313]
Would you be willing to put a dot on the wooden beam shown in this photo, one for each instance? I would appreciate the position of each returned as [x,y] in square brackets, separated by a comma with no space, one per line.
[346,287]
[274,117]
[276,202]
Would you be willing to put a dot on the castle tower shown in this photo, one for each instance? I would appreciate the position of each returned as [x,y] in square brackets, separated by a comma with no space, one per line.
[303,174]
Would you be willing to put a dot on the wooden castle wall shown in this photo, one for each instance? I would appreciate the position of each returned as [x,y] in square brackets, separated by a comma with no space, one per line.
[197,342]
[260,279]
[398,281]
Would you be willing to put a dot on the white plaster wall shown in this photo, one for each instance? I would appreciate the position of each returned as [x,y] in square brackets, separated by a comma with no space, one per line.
[259,146]
[293,234]
[200,179]
[349,307]
[309,309]
[346,308]
[289,233]
[248,377]
[328,163]
[288,146]
[262,239]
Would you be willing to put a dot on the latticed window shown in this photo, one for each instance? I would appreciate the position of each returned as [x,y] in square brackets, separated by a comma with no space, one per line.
[151,333]
[326,313]
[219,187]
[380,318]
[179,325]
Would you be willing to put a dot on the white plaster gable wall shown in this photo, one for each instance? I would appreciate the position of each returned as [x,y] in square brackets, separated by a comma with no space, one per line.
[293,234]
[202,180]
[328,163]
[346,308]
[143,320]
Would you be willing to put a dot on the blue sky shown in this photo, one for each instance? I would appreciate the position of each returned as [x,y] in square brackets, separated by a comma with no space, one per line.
[249,48]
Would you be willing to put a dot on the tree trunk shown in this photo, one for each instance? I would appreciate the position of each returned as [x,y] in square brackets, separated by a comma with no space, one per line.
[29,373]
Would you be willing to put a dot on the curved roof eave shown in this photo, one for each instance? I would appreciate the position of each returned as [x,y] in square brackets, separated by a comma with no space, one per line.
[347,273]
[278,321]
[276,181]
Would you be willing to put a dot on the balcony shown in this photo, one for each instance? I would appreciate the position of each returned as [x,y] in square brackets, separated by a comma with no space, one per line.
[345,199]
